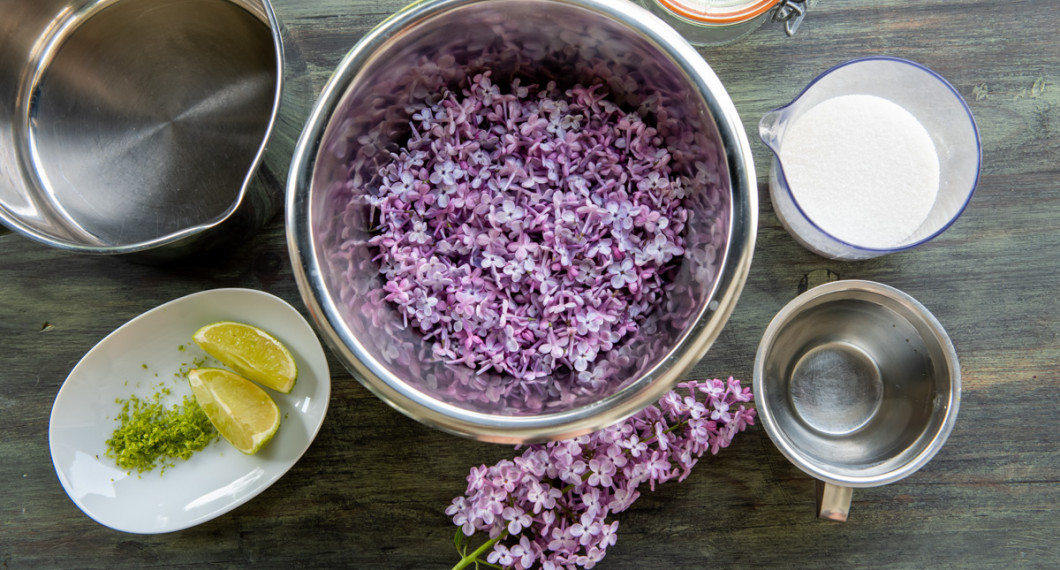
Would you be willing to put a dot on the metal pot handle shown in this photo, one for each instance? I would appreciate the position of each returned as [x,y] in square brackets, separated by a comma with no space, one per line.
[833,501]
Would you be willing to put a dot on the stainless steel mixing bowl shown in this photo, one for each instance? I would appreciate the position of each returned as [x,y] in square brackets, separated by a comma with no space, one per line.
[362,113]
[133,127]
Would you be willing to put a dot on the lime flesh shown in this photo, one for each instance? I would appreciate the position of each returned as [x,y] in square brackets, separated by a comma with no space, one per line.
[250,352]
[243,413]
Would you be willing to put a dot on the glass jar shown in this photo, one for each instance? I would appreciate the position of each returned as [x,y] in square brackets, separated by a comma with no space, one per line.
[717,22]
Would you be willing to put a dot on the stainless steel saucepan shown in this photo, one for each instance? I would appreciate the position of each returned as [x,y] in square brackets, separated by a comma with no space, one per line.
[145,128]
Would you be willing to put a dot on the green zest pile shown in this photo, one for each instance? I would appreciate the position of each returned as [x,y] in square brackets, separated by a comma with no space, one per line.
[150,434]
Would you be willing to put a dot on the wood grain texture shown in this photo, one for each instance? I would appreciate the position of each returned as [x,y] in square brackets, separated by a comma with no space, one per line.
[371,491]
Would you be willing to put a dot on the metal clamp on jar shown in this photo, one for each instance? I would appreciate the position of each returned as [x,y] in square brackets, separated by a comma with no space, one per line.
[717,22]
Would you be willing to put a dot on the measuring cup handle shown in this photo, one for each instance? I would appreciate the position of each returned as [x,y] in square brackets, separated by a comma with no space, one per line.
[833,501]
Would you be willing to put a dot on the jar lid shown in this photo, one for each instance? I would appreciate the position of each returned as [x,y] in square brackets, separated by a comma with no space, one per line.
[719,11]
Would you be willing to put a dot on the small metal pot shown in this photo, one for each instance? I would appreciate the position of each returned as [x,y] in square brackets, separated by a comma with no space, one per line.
[144,128]
[858,385]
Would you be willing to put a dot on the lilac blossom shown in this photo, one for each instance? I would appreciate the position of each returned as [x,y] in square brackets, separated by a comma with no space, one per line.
[553,506]
[556,208]
[460,368]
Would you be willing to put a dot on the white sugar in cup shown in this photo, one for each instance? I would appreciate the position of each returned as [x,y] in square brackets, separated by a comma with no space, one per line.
[862,168]
[875,156]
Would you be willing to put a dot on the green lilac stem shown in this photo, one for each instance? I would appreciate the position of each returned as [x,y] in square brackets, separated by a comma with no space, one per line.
[471,558]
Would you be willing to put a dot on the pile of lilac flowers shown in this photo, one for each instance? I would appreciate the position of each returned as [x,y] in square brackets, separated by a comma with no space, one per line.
[529,230]
[551,507]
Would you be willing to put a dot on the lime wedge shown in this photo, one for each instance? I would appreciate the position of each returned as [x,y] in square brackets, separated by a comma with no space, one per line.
[250,352]
[242,412]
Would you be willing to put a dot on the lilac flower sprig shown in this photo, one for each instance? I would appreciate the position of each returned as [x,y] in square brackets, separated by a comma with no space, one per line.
[551,506]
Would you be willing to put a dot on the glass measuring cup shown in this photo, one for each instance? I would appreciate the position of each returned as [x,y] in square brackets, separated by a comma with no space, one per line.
[930,99]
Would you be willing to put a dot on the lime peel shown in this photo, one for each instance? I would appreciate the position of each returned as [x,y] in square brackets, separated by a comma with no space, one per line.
[150,434]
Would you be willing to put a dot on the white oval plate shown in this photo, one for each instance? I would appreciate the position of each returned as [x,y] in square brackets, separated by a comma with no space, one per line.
[155,350]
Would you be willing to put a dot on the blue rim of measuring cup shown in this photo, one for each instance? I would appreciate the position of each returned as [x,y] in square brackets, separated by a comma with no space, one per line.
[971,120]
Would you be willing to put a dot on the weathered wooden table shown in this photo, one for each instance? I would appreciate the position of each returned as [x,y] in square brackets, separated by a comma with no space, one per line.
[372,490]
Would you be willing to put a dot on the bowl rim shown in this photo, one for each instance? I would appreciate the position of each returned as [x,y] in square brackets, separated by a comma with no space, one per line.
[584,419]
